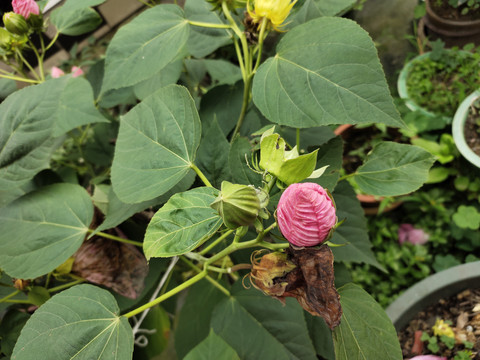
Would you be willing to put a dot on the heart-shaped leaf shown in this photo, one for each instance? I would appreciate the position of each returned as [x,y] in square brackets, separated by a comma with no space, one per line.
[213,347]
[156,145]
[82,322]
[363,323]
[42,229]
[394,169]
[145,46]
[76,17]
[185,222]
[334,77]
[270,330]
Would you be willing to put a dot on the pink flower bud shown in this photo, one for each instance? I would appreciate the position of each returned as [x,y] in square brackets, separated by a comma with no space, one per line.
[305,214]
[428,357]
[56,72]
[25,7]
[76,71]
[406,232]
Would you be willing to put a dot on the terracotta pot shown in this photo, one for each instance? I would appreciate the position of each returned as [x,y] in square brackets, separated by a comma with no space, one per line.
[431,289]
[370,203]
[452,32]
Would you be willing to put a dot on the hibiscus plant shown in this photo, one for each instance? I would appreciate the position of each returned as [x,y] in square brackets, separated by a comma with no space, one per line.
[182,194]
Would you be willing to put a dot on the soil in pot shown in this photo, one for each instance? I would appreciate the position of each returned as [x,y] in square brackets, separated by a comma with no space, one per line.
[443,9]
[472,129]
[461,310]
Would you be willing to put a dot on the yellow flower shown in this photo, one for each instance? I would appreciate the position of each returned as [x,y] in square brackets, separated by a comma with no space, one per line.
[441,328]
[276,11]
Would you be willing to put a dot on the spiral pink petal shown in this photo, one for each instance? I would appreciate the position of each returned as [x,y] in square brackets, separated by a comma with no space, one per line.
[305,214]
[25,7]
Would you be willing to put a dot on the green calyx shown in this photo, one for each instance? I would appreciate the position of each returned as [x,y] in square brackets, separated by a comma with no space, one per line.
[5,38]
[15,23]
[288,166]
[238,205]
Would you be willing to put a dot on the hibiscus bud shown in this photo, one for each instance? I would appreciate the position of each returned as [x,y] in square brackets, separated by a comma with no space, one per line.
[15,23]
[25,8]
[238,205]
[306,214]
[36,22]
[76,71]
[56,72]
[407,233]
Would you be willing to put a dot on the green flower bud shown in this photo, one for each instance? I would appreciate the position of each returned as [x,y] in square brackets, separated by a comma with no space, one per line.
[5,38]
[15,23]
[237,204]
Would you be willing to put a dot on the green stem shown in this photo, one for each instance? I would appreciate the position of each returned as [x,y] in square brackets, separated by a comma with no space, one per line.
[347,176]
[52,42]
[261,38]
[39,58]
[240,59]
[116,238]
[239,33]
[213,244]
[16,78]
[65,286]
[5,299]
[27,302]
[209,25]
[145,3]
[200,175]
[167,295]
[19,53]
[212,281]
[273,247]
[246,102]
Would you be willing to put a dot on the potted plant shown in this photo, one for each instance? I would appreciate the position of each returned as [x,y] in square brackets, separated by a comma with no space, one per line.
[414,302]
[121,187]
[465,129]
[436,82]
[456,22]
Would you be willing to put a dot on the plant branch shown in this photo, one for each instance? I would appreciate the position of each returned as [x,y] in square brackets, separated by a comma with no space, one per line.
[212,281]
[167,295]
[213,244]
[116,238]
[6,298]
[209,25]
[200,175]
[66,286]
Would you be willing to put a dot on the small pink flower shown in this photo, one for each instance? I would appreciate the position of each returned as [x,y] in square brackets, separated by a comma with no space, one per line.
[406,232]
[428,357]
[76,71]
[25,7]
[56,72]
[305,214]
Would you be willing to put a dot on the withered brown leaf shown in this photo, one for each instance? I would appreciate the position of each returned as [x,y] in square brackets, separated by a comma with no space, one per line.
[121,267]
[311,282]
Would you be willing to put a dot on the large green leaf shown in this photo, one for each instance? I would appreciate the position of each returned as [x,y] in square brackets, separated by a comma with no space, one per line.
[312,9]
[203,41]
[365,331]
[182,224]
[321,336]
[188,333]
[144,46]
[330,154]
[269,330]
[353,232]
[394,169]
[156,145]
[10,326]
[334,77]
[213,347]
[42,229]
[82,322]
[30,121]
[167,76]
[76,17]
